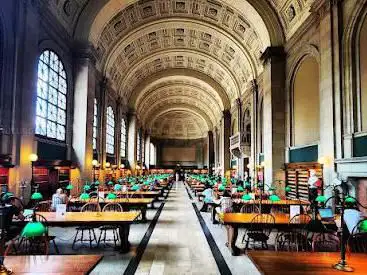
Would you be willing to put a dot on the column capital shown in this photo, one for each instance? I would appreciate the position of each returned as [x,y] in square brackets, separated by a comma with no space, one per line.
[226,114]
[83,50]
[254,86]
[271,53]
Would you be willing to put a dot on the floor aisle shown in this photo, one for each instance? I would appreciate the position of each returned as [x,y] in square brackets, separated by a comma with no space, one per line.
[177,245]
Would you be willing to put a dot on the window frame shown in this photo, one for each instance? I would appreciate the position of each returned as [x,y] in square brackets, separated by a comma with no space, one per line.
[112,127]
[123,142]
[39,136]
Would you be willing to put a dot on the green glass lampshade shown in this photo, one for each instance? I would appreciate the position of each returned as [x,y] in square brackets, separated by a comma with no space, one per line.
[33,229]
[274,198]
[110,182]
[247,184]
[97,182]
[69,186]
[363,226]
[84,197]
[321,198]
[135,187]
[246,197]
[222,188]
[36,196]
[288,189]
[117,187]
[350,200]
[240,189]
[111,196]
[7,196]
[86,187]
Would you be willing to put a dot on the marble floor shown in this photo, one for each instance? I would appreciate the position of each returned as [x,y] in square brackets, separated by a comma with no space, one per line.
[176,245]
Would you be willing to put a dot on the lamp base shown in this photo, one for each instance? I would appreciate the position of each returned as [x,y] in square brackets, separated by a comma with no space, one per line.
[5,271]
[342,266]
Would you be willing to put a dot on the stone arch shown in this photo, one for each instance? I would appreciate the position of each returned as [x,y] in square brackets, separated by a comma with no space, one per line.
[305,85]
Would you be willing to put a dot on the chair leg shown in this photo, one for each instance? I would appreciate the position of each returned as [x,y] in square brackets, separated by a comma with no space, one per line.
[76,236]
[55,246]
[90,239]
[94,235]
[99,239]
[247,243]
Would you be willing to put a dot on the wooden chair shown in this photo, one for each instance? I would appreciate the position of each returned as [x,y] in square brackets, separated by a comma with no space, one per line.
[36,245]
[294,239]
[279,208]
[110,207]
[250,208]
[88,207]
[357,241]
[260,229]
[44,206]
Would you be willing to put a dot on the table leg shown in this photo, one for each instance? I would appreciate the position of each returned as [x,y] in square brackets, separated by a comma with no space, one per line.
[124,231]
[144,214]
[233,234]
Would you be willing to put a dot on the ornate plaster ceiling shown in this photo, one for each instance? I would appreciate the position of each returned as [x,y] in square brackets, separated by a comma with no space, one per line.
[179,124]
[179,63]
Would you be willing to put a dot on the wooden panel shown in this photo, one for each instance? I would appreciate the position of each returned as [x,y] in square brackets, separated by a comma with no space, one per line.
[317,263]
[68,264]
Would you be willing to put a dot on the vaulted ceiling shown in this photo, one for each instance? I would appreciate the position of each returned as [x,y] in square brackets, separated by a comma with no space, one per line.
[180,63]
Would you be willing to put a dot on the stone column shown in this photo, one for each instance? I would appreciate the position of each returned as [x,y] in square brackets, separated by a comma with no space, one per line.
[326,12]
[85,86]
[211,161]
[147,150]
[101,147]
[225,135]
[274,112]
[254,126]
[240,163]
[132,133]
[118,131]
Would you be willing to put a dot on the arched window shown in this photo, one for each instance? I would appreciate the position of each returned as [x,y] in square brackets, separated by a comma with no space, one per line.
[51,97]
[363,77]
[123,139]
[110,131]
[95,124]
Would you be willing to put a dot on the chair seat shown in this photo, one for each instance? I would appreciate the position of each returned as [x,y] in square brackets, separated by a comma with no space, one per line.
[108,227]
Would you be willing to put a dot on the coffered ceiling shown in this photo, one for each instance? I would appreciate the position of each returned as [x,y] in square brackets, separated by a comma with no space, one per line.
[180,63]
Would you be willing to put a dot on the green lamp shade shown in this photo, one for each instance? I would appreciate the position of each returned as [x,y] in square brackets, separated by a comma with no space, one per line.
[247,184]
[84,196]
[110,183]
[69,186]
[33,229]
[288,189]
[7,196]
[86,187]
[274,198]
[350,200]
[222,187]
[246,197]
[97,182]
[111,196]
[36,196]
[240,189]
[321,198]
[363,226]
[117,187]
[135,188]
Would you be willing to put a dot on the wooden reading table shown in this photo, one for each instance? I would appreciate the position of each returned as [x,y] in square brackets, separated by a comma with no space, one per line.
[315,263]
[61,265]
[121,219]
[126,203]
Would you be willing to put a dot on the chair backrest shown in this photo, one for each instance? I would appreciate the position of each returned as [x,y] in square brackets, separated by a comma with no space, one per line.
[325,242]
[112,207]
[91,207]
[44,206]
[300,219]
[262,223]
[357,241]
[250,208]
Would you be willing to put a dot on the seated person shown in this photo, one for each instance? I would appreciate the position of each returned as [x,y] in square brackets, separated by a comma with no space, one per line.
[225,204]
[208,194]
[11,211]
[58,198]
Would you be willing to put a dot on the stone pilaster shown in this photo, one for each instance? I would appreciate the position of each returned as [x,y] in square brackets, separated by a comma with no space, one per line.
[211,160]
[225,142]
[254,126]
[85,87]
[147,150]
[132,134]
[274,112]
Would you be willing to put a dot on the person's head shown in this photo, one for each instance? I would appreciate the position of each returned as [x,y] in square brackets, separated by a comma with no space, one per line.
[226,194]
[207,185]
[59,191]
[239,183]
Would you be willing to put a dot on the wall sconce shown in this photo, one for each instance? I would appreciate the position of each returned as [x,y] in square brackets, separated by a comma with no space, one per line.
[326,161]
[108,165]
[33,157]
[122,166]
[137,167]
[94,163]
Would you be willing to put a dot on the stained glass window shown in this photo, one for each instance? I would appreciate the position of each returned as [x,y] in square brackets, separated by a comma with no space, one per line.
[110,131]
[123,139]
[95,124]
[51,97]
